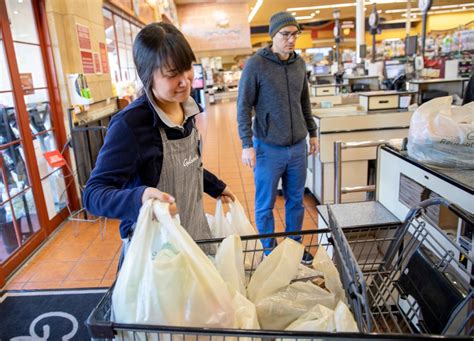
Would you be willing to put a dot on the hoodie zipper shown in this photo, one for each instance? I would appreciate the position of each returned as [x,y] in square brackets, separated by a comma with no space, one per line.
[289,102]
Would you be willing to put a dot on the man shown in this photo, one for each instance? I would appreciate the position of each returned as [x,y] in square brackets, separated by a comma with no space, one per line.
[274,85]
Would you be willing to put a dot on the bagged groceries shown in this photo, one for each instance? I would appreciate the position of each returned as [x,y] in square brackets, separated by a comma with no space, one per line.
[236,222]
[221,226]
[166,279]
[280,309]
[442,135]
[323,319]
[323,263]
[230,263]
[276,270]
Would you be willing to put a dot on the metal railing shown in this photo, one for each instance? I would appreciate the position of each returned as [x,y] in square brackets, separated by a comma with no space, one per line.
[338,147]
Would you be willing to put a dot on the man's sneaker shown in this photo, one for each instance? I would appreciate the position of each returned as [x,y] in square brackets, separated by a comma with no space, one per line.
[307,258]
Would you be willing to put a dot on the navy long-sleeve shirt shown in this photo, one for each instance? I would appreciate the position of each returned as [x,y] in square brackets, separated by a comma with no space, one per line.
[130,161]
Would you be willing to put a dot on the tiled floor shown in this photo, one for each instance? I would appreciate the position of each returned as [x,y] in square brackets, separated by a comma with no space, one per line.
[81,255]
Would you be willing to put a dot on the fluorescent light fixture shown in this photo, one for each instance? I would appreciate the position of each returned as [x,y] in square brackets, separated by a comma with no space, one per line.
[440,12]
[294,13]
[255,10]
[432,8]
[305,17]
[352,4]
[318,11]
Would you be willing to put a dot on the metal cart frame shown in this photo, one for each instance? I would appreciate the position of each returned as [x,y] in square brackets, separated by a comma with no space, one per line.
[372,262]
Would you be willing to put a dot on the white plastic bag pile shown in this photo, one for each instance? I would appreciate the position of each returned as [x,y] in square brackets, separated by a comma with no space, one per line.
[166,279]
[442,135]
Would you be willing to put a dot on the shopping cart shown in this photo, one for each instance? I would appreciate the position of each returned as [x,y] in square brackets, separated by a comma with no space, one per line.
[409,280]
[404,281]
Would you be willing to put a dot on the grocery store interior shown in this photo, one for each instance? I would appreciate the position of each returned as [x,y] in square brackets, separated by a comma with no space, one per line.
[390,84]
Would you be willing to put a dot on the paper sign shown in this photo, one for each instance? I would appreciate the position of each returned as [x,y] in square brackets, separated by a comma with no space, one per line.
[87,62]
[54,159]
[97,63]
[103,58]
[83,37]
[26,80]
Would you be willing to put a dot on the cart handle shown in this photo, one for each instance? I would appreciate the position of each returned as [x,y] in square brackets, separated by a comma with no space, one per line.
[456,209]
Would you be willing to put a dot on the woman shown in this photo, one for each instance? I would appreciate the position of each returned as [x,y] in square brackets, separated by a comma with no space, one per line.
[152,147]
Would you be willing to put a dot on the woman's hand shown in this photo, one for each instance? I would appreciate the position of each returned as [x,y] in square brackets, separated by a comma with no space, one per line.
[155,193]
[227,196]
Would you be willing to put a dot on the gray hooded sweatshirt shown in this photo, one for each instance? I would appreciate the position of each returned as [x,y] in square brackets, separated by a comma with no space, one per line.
[278,92]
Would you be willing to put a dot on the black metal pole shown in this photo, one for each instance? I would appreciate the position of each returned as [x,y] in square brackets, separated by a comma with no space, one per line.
[423,33]
[374,52]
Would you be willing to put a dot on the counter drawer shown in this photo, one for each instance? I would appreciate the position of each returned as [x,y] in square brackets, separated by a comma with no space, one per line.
[325,90]
[379,102]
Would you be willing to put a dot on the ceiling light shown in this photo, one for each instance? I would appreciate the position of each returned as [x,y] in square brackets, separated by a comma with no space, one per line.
[304,17]
[294,13]
[352,4]
[255,10]
[379,11]
[312,15]
[318,11]
[432,8]
[15,12]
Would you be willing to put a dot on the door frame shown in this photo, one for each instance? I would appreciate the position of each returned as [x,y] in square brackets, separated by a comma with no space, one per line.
[47,226]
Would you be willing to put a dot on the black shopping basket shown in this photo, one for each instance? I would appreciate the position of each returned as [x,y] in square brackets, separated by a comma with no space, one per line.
[376,266]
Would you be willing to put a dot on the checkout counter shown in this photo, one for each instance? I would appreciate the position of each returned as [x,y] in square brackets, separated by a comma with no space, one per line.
[362,83]
[348,123]
[402,183]
[354,118]
[427,89]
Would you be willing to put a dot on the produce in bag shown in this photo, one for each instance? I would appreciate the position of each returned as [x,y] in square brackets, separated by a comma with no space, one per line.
[166,279]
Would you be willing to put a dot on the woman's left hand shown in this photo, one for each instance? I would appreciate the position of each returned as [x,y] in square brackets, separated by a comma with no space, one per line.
[227,196]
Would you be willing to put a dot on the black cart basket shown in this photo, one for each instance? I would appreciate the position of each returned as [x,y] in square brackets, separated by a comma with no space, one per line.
[402,281]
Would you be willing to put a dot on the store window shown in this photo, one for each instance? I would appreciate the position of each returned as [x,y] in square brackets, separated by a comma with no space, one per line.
[120,33]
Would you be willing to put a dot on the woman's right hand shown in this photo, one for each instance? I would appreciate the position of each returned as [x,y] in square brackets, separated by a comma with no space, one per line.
[155,193]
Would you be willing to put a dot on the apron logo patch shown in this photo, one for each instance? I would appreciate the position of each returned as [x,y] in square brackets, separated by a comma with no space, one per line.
[189,161]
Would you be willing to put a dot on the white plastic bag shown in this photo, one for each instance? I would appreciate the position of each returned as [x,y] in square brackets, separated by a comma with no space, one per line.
[321,318]
[166,279]
[305,272]
[245,313]
[230,263]
[442,135]
[318,319]
[280,309]
[323,263]
[276,271]
[344,319]
[221,227]
[242,226]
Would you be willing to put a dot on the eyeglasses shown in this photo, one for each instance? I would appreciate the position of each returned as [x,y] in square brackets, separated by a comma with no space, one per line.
[287,35]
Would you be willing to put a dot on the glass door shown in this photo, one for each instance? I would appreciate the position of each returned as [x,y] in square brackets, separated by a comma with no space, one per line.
[33,194]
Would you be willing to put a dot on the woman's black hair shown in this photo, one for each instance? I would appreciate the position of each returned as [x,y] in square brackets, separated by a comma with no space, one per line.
[160,46]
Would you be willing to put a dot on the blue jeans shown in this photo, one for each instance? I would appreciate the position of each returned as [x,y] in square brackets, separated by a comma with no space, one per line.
[274,162]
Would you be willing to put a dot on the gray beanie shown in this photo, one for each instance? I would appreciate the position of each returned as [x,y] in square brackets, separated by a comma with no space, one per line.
[280,20]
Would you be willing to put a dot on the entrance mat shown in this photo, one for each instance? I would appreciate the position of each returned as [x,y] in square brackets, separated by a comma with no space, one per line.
[47,314]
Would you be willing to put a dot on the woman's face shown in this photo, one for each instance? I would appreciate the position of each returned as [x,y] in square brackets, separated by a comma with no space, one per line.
[171,86]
